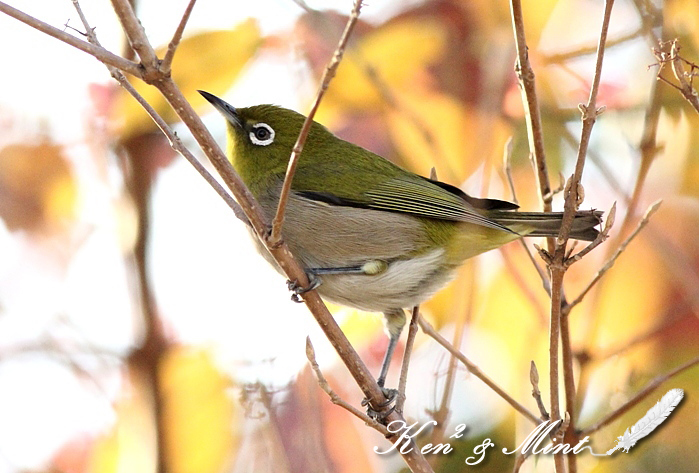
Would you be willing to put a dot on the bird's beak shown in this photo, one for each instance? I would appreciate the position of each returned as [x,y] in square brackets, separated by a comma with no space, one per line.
[226,109]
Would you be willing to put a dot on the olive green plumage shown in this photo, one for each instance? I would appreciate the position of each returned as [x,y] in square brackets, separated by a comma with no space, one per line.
[350,210]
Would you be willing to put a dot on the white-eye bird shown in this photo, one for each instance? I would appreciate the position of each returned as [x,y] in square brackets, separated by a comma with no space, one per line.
[372,235]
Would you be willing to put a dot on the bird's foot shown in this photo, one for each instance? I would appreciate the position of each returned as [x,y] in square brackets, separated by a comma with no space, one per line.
[385,408]
[298,291]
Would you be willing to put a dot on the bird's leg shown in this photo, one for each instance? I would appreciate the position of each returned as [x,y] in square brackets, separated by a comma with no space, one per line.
[394,320]
[370,268]
[298,291]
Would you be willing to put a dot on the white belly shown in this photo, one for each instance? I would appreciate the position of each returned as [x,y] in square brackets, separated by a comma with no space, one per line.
[404,284]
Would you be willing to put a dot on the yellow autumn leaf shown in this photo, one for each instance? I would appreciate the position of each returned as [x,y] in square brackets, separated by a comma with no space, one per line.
[396,52]
[199,413]
[209,61]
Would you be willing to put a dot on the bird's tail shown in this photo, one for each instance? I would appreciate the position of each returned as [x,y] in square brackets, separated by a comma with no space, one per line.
[549,224]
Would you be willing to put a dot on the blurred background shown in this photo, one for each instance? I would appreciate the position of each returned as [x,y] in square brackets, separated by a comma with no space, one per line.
[134,311]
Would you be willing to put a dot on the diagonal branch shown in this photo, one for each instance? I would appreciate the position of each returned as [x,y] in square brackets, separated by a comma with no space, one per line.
[610,262]
[476,371]
[331,69]
[98,52]
[166,63]
[136,35]
[334,397]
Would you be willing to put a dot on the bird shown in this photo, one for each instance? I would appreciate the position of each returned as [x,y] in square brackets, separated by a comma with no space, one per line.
[370,234]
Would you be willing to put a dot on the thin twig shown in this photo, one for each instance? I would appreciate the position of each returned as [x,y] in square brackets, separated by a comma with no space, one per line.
[334,398]
[590,112]
[532,113]
[642,394]
[472,368]
[330,70]
[172,137]
[99,53]
[601,238]
[519,461]
[610,262]
[507,166]
[592,48]
[138,39]
[403,381]
[534,380]
[166,63]
[677,63]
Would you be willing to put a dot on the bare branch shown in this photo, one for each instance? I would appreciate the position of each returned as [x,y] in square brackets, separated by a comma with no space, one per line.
[472,368]
[330,70]
[534,380]
[166,63]
[323,383]
[610,262]
[601,238]
[684,78]
[136,35]
[99,53]
[592,48]
[525,74]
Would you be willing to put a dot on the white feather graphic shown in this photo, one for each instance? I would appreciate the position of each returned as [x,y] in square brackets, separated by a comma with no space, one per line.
[655,416]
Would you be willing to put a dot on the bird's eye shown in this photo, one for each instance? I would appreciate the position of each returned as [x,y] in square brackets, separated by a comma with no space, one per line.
[262,134]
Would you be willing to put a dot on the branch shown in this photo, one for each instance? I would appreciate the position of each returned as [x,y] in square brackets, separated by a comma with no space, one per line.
[532,113]
[610,262]
[592,48]
[278,221]
[334,398]
[645,392]
[601,238]
[536,394]
[472,368]
[99,53]
[166,63]
[138,40]
[677,63]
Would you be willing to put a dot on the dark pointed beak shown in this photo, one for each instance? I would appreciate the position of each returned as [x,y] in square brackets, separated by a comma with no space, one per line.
[226,109]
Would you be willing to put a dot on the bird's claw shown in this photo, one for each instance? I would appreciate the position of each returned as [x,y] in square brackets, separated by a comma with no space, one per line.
[385,408]
[299,291]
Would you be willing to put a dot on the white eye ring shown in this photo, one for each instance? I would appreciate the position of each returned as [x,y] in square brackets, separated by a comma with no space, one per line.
[262,134]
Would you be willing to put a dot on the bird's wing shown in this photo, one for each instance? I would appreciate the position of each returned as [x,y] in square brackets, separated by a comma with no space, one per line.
[420,197]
